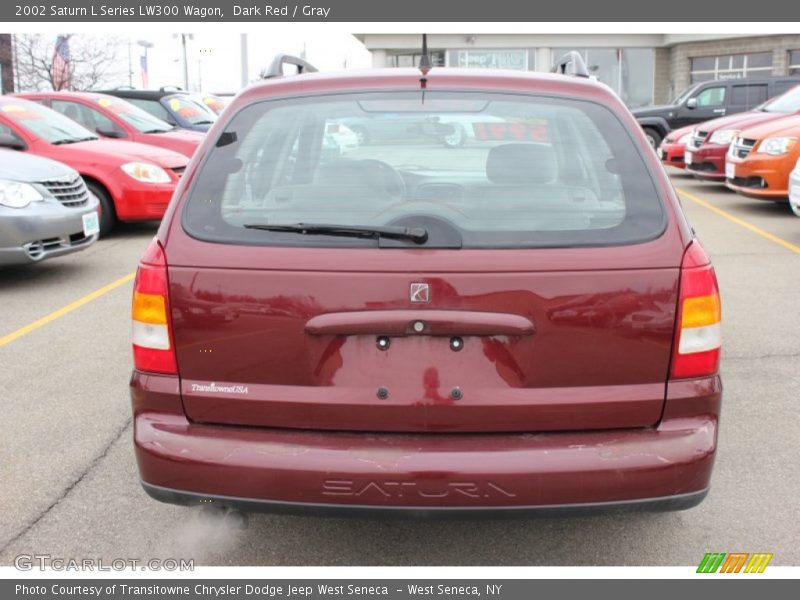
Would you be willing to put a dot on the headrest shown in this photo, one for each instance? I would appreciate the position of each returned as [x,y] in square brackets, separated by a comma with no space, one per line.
[522,163]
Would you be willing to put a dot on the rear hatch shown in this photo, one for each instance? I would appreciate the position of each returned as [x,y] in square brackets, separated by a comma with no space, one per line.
[543,299]
[515,351]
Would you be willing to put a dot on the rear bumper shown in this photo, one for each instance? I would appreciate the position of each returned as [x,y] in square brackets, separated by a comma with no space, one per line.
[666,467]
[677,502]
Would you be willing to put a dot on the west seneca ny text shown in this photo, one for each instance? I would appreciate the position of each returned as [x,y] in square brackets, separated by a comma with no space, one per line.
[187,11]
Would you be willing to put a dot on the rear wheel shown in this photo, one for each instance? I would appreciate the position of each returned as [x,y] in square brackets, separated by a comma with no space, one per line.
[653,137]
[108,216]
[456,137]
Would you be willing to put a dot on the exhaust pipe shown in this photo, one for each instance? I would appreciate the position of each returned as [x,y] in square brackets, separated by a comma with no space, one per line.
[231,517]
[236,519]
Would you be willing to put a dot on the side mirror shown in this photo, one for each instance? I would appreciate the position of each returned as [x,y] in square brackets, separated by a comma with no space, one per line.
[8,140]
[110,132]
[691,103]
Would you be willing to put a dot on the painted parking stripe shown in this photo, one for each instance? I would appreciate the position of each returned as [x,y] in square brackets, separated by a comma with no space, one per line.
[65,310]
[741,222]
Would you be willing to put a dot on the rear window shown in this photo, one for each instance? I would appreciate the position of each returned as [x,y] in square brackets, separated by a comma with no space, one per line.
[485,170]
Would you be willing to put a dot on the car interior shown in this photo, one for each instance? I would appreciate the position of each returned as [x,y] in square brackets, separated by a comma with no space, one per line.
[566,182]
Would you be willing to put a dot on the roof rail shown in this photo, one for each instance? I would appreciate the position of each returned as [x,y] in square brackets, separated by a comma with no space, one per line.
[571,64]
[276,68]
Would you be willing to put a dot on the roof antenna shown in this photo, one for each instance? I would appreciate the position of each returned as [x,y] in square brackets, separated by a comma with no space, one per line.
[425,59]
[424,65]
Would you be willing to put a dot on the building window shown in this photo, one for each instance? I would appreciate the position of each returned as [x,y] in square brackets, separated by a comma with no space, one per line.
[794,62]
[519,60]
[730,66]
[412,60]
[630,72]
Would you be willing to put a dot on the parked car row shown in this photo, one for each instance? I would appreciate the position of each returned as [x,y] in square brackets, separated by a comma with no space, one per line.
[72,164]
[755,153]
[111,117]
[708,100]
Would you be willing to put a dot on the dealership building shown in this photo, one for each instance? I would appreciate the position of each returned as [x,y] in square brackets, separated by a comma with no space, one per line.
[642,69]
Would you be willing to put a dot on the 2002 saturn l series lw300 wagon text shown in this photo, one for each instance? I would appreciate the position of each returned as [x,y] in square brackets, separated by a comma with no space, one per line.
[520,321]
[104,10]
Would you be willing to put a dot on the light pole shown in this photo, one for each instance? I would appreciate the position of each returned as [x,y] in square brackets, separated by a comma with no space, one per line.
[145,67]
[202,52]
[184,37]
[245,75]
[130,64]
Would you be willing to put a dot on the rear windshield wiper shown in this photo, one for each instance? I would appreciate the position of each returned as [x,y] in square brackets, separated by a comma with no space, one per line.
[418,235]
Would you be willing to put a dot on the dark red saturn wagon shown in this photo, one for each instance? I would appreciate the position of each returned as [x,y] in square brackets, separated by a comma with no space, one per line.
[522,320]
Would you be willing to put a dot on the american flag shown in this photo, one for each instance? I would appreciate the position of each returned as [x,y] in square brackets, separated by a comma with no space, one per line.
[61,70]
[143,63]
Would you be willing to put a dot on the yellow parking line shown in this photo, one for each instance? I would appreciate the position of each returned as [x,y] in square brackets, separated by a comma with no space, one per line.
[64,310]
[741,222]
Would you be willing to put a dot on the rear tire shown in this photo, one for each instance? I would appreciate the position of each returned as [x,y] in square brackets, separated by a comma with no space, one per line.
[653,137]
[456,138]
[108,216]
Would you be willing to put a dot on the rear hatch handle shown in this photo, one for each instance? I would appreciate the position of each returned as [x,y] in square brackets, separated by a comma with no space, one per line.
[419,322]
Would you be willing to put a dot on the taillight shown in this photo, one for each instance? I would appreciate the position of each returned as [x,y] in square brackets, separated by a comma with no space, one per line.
[152,342]
[698,338]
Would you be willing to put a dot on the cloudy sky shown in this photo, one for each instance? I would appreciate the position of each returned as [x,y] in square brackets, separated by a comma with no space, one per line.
[214,60]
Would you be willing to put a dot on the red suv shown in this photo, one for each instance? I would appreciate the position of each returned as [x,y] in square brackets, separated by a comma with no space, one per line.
[710,141]
[133,182]
[115,118]
[508,324]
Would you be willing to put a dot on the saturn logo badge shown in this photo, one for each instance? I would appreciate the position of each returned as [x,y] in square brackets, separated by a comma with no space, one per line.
[420,292]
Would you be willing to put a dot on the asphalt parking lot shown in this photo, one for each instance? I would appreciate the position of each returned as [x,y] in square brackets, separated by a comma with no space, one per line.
[69,480]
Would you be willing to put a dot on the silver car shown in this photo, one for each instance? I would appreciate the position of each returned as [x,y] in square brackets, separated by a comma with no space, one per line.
[45,209]
[794,189]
